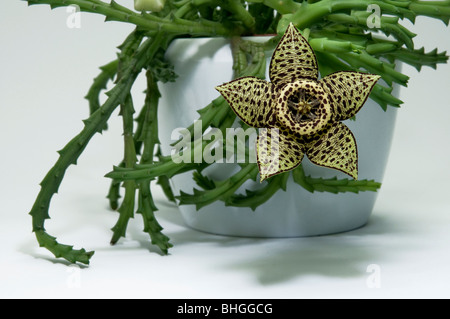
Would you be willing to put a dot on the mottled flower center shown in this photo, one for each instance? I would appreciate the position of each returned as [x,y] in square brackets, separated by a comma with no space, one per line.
[303,107]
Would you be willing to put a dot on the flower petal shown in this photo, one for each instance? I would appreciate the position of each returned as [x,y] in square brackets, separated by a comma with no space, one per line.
[278,151]
[293,59]
[348,92]
[251,99]
[335,148]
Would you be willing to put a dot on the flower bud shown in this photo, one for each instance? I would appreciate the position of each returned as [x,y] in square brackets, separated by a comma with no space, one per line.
[149,5]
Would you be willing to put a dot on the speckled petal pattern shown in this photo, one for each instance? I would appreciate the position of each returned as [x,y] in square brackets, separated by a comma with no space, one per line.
[335,147]
[348,92]
[293,59]
[278,151]
[252,100]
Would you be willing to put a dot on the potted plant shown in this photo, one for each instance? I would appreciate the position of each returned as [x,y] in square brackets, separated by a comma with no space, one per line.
[356,46]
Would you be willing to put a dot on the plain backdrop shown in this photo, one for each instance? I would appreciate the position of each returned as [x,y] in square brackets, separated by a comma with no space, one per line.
[46,69]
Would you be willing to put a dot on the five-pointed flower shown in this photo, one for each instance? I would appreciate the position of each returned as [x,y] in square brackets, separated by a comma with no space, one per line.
[301,114]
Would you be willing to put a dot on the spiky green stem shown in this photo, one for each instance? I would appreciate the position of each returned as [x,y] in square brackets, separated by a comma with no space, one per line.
[164,182]
[113,195]
[150,140]
[70,153]
[254,199]
[308,14]
[116,12]
[107,73]
[418,58]
[126,209]
[333,185]
[389,25]
[222,191]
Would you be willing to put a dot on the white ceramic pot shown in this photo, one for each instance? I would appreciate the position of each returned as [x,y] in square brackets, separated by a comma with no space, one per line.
[205,63]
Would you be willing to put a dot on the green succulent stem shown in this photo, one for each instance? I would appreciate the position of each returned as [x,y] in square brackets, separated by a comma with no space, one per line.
[375,66]
[308,14]
[126,209]
[116,12]
[164,182]
[333,185]
[222,191]
[150,140]
[107,73]
[282,6]
[254,199]
[241,13]
[71,152]
[417,58]
[311,13]
[113,195]
[389,25]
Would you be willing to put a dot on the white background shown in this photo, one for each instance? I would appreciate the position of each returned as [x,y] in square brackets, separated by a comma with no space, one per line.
[46,69]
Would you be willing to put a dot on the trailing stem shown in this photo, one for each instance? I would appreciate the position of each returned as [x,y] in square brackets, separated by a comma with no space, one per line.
[71,152]
[149,138]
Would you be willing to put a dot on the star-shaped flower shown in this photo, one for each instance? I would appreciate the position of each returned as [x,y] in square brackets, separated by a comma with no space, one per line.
[302,115]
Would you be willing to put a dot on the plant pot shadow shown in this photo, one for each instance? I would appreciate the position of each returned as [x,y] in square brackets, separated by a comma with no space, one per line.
[342,255]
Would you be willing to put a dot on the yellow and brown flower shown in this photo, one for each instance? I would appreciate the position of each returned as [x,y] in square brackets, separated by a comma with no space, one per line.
[300,114]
